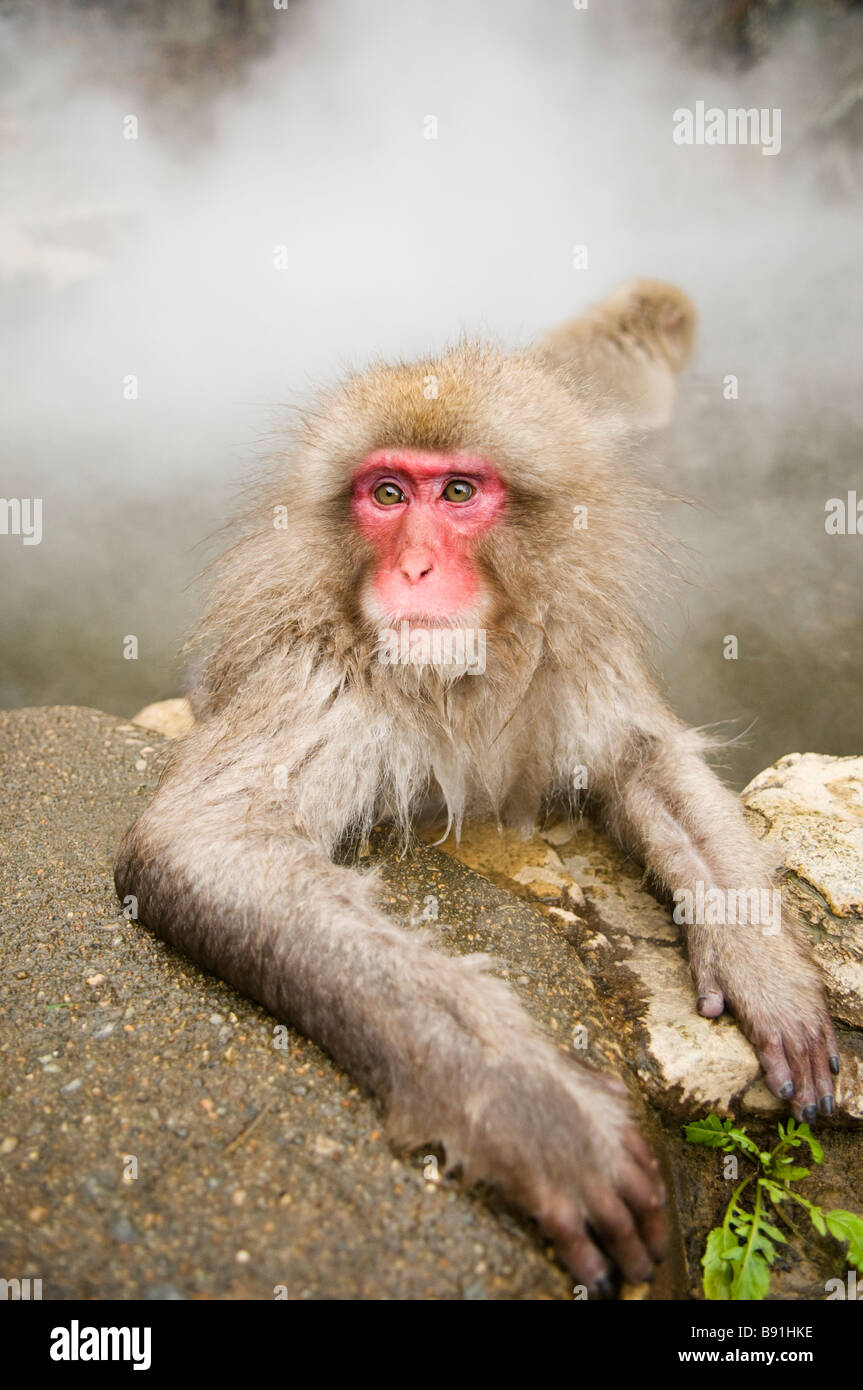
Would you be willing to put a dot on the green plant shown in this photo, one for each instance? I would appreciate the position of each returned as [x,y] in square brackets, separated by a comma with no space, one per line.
[740,1252]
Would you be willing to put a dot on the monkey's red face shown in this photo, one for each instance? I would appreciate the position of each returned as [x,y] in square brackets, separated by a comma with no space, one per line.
[423,514]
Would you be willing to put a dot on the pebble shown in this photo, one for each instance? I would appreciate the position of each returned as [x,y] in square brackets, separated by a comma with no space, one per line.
[475,1292]
[326,1147]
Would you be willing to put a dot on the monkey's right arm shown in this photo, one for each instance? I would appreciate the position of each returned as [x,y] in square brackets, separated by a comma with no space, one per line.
[218,871]
[629,348]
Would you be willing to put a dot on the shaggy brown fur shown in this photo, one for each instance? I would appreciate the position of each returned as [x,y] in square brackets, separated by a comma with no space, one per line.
[306,740]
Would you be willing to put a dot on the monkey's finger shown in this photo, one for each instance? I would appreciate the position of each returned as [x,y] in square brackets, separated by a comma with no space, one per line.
[582,1257]
[777,1072]
[711,1000]
[832,1046]
[615,1225]
[645,1196]
[639,1148]
[607,1079]
[803,1105]
[821,1075]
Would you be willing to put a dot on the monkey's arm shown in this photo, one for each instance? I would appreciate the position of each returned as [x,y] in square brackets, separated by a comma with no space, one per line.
[662,802]
[628,349]
[219,872]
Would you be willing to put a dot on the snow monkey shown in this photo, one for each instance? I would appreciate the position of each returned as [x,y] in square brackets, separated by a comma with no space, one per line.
[419,509]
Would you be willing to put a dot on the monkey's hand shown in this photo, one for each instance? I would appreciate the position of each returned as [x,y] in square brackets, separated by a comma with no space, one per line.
[666,806]
[556,1139]
[775,992]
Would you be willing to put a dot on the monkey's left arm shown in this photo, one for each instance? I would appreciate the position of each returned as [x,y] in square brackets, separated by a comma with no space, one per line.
[664,804]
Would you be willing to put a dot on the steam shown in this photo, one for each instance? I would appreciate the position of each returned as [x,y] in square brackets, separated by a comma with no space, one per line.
[266,231]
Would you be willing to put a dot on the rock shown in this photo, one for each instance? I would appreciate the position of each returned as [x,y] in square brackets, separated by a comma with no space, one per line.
[528,866]
[810,806]
[635,955]
[171,718]
[167,1124]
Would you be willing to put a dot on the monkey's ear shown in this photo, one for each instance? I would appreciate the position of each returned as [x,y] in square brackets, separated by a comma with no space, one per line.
[624,353]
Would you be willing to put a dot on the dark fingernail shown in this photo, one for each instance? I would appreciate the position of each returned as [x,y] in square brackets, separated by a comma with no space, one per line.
[604,1286]
[787,1090]
[834,1064]
[825,1105]
[808,1113]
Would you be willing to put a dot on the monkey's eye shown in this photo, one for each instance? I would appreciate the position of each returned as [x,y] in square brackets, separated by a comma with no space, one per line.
[459,491]
[388,494]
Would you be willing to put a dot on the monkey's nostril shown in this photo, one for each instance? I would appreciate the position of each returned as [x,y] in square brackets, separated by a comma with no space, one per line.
[414,572]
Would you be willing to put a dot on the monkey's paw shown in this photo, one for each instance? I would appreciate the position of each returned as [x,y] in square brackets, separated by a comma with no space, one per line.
[556,1139]
[779,1002]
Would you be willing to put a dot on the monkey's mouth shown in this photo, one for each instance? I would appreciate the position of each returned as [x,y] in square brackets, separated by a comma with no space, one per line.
[429,620]
[381,616]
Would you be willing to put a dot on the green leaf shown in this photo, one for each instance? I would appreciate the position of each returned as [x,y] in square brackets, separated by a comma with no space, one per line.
[720,1134]
[817,1219]
[805,1133]
[777,1192]
[718,1268]
[752,1280]
[785,1171]
[741,1138]
[772,1232]
[752,1276]
[846,1226]
[710,1131]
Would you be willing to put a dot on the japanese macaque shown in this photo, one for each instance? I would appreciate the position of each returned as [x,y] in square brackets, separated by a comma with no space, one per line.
[421,508]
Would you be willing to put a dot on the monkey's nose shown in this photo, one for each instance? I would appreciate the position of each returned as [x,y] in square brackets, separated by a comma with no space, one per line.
[415,565]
